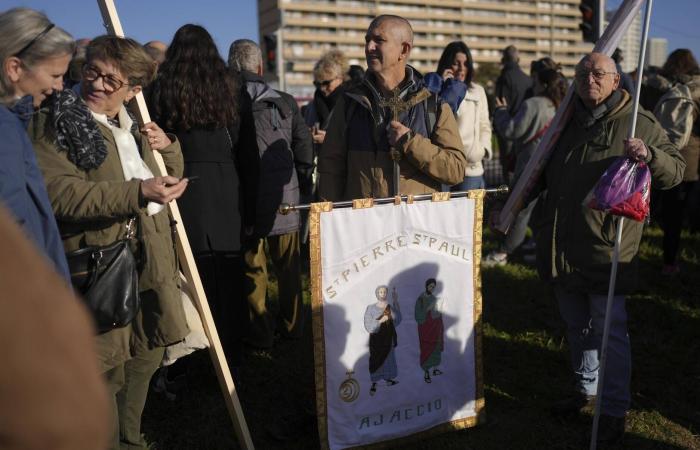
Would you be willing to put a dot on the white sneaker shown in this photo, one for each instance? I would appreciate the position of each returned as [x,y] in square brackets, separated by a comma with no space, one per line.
[494,259]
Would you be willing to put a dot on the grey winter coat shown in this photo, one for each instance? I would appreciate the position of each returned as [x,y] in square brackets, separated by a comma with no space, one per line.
[525,127]
[286,155]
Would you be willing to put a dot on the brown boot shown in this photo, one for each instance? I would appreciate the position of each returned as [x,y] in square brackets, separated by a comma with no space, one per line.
[573,406]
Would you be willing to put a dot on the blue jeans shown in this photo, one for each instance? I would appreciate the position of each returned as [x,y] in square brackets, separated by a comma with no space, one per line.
[469,183]
[584,315]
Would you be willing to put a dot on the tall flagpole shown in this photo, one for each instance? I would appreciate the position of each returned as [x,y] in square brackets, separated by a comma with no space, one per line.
[189,267]
[618,239]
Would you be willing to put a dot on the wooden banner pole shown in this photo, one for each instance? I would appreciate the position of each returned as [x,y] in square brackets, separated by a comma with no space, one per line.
[187,263]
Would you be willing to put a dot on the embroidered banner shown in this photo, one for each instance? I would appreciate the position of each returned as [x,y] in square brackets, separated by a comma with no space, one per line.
[397,310]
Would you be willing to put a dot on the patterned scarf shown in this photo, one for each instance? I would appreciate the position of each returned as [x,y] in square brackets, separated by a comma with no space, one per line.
[77,131]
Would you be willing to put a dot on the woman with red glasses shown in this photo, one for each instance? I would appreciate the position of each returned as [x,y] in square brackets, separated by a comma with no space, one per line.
[100,174]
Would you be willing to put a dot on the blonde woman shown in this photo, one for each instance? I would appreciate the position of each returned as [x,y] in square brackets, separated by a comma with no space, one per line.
[330,72]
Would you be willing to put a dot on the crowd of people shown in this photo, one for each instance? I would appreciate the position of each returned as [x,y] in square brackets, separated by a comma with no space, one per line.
[77,171]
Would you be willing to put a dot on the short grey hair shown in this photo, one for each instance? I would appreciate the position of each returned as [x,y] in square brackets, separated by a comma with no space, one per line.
[18,27]
[244,54]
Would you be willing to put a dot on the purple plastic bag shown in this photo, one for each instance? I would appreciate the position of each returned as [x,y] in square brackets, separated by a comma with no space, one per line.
[623,178]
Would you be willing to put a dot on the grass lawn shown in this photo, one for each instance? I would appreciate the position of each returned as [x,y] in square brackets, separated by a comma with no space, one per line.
[525,366]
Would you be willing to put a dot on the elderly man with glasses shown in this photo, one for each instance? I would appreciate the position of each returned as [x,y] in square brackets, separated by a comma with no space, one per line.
[575,243]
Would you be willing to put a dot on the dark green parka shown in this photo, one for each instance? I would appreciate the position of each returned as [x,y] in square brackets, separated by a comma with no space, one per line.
[574,242]
[92,208]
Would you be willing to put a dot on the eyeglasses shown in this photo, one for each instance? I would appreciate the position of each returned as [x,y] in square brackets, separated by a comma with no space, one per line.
[33,41]
[110,82]
[597,75]
[324,83]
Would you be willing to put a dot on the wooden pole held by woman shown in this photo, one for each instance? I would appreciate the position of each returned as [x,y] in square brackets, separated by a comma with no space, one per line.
[188,266]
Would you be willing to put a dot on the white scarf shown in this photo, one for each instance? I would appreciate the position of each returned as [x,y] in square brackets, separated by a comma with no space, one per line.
[132,164]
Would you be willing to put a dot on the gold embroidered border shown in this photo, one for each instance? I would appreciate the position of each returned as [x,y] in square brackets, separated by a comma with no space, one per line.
[441,196]
[361,203]
[455,425]
[478,197]
[317,318]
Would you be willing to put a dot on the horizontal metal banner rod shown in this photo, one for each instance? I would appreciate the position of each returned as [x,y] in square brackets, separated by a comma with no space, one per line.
[286,208]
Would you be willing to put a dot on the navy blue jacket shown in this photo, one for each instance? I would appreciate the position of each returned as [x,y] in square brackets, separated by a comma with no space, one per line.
[22,188]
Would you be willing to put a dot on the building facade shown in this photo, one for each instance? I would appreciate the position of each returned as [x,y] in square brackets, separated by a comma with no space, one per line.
[310,27]
[657,52]
[630,42]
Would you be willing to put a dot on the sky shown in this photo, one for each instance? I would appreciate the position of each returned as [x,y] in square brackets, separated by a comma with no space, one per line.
[675,20]
[145,20]
[228,20]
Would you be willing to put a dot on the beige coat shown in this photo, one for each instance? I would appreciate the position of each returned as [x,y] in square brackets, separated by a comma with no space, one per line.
[475,129]
[92,208]
[574,242]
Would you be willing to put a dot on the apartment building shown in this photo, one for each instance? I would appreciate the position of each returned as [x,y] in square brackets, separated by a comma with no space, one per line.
[657,51]
[630,42]
[310,27]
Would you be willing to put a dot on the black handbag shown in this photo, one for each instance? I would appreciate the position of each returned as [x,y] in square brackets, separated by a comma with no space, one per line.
[107,277]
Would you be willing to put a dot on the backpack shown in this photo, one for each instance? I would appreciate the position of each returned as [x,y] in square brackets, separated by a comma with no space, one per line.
[676,112]
[278,183]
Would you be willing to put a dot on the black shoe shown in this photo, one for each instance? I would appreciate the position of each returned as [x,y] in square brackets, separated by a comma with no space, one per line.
[373,389]
[573,406]
[437,372]
[170,388]
[426,377]
[611,429]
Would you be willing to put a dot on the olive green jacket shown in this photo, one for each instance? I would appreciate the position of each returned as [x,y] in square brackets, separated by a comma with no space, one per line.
[574,242]
[92,208]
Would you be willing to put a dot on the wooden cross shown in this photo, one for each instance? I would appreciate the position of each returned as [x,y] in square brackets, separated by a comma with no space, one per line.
[187,263]
[397,106]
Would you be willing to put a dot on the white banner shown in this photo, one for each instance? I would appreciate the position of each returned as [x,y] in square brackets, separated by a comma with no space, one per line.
[400,300]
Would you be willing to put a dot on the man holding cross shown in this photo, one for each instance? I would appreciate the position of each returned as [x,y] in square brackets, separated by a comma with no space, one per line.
[385,136]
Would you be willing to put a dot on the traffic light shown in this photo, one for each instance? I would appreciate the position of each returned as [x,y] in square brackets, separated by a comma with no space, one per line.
[590,14]
[270,52]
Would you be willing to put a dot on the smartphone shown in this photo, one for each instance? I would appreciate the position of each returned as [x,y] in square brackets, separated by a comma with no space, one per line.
[190,179]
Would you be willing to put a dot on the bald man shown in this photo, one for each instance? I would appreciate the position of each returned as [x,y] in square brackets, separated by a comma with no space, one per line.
[575,243]
[156,49]
[356,159]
